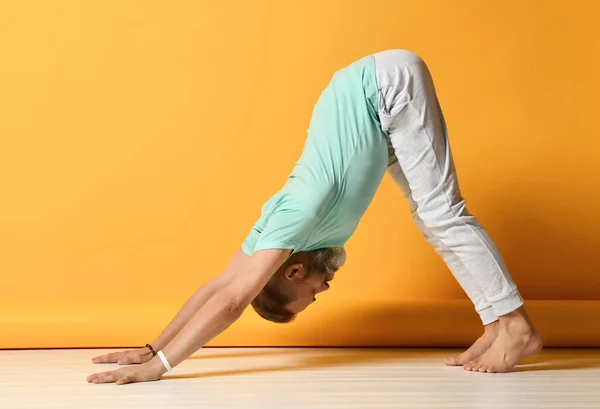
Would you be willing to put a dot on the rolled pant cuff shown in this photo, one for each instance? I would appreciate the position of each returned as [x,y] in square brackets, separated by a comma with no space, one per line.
[508,304]
[488,315]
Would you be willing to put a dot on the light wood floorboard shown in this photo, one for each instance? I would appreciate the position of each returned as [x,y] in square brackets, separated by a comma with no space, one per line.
[304,378]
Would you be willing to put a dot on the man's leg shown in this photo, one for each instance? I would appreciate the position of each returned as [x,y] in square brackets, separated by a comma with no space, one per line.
[454,263]
[412,118]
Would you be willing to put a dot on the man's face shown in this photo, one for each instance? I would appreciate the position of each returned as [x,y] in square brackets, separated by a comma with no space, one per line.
[307,290]
[307,274]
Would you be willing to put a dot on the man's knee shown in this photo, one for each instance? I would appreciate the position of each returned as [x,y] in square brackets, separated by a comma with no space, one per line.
[443,217]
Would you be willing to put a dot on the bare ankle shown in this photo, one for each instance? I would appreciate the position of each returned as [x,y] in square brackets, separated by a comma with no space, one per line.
[517,320]
[492,328]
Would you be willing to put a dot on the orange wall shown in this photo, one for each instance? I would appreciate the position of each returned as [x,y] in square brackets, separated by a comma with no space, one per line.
[140,139]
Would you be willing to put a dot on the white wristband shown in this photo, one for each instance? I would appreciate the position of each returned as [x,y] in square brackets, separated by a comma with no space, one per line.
[164,360]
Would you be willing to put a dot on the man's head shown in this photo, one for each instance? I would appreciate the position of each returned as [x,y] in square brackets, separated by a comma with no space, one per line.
[297,282]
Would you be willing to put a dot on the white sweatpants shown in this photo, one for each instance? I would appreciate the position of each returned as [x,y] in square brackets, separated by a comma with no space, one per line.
[421,164]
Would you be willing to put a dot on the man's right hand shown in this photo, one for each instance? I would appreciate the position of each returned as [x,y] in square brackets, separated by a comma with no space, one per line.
[133,356]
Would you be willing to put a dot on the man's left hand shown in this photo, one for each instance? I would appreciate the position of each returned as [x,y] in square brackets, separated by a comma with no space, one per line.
[147,372]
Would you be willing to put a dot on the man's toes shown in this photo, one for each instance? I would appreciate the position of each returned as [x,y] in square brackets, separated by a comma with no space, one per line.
[482,368]
[453,361]
[469,366]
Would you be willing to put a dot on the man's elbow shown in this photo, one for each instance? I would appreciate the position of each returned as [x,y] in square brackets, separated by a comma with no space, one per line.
[234,308]
[232,304]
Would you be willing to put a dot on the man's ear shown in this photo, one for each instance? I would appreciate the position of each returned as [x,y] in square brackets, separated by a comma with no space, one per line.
[295,272]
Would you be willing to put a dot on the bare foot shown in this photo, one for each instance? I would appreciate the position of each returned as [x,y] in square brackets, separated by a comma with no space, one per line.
[478,348]
[517,339]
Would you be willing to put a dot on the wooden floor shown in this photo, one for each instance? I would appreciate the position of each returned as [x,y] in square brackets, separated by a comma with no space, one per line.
[304,378]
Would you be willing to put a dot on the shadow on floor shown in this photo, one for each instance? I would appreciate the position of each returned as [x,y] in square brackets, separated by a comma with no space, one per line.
[557,360]
[358,356]
[547,360]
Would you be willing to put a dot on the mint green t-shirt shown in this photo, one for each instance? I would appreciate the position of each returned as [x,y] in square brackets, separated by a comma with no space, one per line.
[343,161]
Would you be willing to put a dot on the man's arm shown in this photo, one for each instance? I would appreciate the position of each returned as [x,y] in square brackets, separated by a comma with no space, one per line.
[196,301]
[217,314]
[225,306]
[193,304]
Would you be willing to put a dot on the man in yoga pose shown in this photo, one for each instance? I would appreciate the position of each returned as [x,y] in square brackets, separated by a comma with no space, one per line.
[379,113]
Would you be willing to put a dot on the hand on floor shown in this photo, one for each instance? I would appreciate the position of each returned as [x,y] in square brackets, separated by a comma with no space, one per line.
[143,373]
[133,356]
